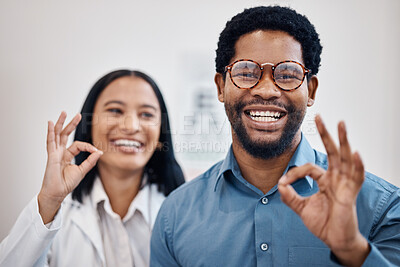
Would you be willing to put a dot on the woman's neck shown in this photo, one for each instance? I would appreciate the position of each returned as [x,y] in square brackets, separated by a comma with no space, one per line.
[121,187]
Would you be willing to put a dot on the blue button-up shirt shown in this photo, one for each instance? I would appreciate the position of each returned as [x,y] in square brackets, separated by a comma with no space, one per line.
[220,219]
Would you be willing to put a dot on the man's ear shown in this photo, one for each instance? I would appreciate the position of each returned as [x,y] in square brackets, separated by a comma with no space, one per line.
[220,82]
[312,90]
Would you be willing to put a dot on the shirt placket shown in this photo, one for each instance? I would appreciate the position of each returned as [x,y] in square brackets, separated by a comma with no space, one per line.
[263,231]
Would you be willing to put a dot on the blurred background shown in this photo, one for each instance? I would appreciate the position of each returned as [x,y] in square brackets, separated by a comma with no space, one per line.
[52,52]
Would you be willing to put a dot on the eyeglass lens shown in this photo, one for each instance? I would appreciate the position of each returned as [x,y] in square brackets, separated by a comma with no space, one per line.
[287,75]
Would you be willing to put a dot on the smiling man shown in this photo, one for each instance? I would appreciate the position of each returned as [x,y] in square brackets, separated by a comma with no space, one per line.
[275,201]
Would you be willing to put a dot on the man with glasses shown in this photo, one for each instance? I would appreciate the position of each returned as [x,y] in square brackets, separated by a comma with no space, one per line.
[275,201]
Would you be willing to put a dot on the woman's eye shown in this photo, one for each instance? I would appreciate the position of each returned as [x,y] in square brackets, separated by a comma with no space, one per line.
[147,115]
[115,110]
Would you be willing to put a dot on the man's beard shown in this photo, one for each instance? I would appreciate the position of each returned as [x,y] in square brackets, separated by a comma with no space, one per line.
[260,149]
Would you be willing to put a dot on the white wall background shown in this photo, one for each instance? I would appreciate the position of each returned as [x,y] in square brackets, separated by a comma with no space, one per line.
[51,53]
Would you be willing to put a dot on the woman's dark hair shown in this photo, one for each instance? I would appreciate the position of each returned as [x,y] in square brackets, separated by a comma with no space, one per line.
[275,18]
[162,168]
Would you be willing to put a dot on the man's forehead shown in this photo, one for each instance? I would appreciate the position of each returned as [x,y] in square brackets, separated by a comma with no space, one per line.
[268,46]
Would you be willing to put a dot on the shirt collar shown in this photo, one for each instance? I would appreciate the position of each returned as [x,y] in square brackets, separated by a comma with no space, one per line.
[140,203]
[303,154]
[98,194]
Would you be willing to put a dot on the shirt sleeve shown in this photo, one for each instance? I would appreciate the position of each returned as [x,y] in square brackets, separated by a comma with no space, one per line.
[161,242]
[29,240]
[385,236]
[384,239]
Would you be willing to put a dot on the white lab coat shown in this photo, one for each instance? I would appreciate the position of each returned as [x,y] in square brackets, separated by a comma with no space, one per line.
[74,238]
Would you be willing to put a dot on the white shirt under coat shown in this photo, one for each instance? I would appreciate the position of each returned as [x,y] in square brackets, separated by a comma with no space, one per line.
[126,241]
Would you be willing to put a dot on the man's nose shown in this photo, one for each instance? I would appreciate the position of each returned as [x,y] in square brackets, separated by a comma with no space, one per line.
[266,88]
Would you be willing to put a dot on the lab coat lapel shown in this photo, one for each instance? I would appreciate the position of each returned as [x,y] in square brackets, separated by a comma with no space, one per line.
[85,217]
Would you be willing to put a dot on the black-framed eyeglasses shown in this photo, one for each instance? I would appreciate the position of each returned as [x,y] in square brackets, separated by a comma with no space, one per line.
[287,75]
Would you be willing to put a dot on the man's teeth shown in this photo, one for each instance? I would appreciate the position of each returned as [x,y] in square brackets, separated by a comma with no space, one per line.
[265,115]
[125,142]
[267,119]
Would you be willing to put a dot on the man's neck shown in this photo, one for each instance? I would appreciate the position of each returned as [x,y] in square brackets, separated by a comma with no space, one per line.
[263,173]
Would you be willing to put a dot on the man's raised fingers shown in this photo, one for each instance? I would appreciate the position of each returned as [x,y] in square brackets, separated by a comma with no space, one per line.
[346,158]
[359,172]
[290,197]
[296,173]
[330,146]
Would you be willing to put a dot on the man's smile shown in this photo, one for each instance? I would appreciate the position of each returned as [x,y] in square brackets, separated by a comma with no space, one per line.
[265,118]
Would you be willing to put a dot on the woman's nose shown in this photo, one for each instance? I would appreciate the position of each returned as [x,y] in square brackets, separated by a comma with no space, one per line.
[130,124]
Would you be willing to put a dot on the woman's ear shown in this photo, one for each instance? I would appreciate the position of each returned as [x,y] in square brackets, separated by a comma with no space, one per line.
[220,82]
[312,90]
[159,146]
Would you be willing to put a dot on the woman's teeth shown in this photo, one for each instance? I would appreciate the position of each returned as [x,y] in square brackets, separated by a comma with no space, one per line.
[129,143]
[267,116]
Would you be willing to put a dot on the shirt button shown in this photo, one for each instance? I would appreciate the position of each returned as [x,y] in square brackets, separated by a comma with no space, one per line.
[264,200]
[264,246]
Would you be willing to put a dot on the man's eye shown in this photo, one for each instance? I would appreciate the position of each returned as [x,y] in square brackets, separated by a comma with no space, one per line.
[114,110]
[245,75]
[284,77]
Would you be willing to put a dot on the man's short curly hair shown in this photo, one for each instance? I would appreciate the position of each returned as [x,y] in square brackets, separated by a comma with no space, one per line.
[269,18]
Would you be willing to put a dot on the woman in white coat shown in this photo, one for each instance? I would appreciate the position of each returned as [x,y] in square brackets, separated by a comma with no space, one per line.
[99,211]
